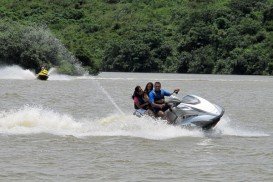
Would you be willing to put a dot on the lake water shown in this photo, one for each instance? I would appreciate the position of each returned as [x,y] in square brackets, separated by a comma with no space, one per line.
[82,129]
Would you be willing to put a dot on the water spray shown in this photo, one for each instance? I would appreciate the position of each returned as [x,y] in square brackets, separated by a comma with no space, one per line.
[109,97]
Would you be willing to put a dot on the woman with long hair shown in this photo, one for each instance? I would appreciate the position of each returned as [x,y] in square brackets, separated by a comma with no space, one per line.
[140,104]
[149,87]
[141,101]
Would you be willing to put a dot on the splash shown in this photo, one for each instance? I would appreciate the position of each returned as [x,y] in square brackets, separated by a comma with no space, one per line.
[39,38]
[16,72]
[54,75]
[37,44]
[109,97]
[224,127]
[34,120]
[31,120]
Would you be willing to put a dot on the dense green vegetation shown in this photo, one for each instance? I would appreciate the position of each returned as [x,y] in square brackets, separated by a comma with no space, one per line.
[185,36]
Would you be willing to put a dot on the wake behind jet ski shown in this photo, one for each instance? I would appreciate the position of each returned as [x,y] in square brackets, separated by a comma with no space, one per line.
[43,74]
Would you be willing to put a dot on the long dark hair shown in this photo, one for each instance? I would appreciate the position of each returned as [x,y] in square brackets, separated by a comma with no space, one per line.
[136,92]
[146,88]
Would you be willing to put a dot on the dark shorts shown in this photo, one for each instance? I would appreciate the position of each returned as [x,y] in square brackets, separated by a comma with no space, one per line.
[165,108]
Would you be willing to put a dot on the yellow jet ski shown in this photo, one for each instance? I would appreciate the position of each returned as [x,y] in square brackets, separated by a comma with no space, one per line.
[43,75]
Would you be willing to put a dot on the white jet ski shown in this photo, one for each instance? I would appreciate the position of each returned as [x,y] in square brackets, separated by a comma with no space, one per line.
[193,111]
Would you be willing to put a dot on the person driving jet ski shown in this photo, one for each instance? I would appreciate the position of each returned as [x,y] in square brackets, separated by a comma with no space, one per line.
[156,99]
[43,74]
[43,71]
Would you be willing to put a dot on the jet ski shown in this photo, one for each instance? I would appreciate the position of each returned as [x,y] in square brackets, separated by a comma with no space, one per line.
[193,111]
[43,75]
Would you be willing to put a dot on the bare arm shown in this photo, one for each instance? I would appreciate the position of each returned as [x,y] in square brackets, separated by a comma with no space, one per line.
[160,106]
[141,105]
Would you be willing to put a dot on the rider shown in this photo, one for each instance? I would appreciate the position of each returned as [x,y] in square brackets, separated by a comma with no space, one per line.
[43,71]
[140,104]
[156,98]
[149,87]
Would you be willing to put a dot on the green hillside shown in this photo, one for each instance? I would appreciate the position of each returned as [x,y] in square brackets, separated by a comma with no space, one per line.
[184,36]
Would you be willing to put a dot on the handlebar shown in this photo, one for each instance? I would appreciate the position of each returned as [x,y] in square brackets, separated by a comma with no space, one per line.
[176,91]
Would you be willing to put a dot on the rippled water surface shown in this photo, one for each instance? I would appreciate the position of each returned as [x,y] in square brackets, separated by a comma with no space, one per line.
[82,129]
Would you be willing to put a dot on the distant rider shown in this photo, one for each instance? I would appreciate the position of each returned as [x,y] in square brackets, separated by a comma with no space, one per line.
[157,100]
[43,71]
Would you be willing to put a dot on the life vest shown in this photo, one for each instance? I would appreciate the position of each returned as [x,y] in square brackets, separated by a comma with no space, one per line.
[158,96]
[43,72]
[140,101]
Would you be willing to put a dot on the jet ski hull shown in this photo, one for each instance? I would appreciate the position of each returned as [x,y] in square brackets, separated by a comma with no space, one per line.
[193,112]
[206,122]
[42,77]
